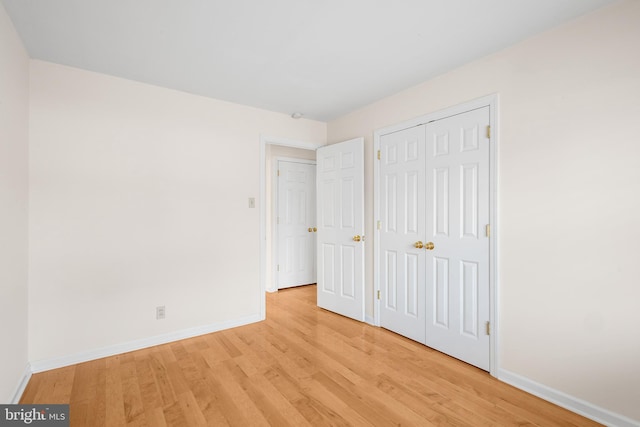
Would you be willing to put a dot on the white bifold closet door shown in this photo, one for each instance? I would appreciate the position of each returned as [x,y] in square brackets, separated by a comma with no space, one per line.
[434,266]
[402,264]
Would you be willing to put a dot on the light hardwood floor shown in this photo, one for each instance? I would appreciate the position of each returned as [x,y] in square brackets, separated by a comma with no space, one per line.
[302,366]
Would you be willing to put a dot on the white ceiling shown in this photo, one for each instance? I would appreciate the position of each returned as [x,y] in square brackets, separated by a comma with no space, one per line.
[323,58]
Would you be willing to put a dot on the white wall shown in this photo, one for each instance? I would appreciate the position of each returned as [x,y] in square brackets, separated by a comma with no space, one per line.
[569,185]
[139,198]
[14,134]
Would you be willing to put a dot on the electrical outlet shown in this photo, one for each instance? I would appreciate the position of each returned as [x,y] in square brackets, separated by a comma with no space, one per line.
[160,312]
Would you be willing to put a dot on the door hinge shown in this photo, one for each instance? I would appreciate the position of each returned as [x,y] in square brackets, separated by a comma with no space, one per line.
[488,328]
[278,267]
[378,294]
[278,172]
[379,225]
[489,131]
[487,230]
[378,154]
[278,220]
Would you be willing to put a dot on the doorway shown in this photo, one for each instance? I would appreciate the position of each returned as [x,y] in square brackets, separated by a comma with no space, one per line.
[271,147]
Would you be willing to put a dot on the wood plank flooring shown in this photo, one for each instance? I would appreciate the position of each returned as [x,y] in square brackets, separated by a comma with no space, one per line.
[303,366]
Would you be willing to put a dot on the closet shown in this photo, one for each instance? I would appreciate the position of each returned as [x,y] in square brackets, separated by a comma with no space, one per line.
[434,234]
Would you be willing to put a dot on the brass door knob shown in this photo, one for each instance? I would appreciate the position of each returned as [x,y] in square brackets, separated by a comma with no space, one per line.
[315,229]
[310,229]
[418,245]
[357,238]
[429,246]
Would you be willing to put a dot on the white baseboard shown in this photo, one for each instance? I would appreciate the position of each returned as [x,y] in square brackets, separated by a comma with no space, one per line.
[72,359]
[566,401]
[22,384]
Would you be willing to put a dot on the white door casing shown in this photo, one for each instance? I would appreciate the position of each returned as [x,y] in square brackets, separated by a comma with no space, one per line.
[340,237]
[437,172]
[401,264]
[296,213]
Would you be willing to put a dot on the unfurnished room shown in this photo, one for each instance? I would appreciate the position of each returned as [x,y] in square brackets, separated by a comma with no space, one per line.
[296,213]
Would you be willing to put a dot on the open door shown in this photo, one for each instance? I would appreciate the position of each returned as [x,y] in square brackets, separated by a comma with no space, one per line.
[340,240]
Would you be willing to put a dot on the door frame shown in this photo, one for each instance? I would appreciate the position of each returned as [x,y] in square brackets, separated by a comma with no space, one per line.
[275,241]
[262,167]
[492,101]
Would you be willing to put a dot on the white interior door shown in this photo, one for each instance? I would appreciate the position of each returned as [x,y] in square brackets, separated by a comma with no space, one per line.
[296,224]
[402,207]
[340,239]
[434,253]
[457,267]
